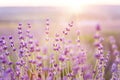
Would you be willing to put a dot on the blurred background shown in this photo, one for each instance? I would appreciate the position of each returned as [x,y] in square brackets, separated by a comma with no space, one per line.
[85,15]
[84,18]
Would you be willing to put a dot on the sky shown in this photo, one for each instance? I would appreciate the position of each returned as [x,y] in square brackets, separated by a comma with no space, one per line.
[58,3]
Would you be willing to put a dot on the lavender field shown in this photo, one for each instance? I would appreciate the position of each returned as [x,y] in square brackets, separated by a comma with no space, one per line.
[52,43]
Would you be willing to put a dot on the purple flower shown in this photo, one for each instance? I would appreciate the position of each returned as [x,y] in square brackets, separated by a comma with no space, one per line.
[88,76]
[114,67]
[8,70]
[10,37]
[97,56]
[62,58]
[98,27]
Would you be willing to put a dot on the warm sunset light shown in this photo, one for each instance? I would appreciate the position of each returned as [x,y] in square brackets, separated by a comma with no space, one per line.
[59,39]
[76,7]
[73,6]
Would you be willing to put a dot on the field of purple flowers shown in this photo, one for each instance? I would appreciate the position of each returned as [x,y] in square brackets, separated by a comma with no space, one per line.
[60,58]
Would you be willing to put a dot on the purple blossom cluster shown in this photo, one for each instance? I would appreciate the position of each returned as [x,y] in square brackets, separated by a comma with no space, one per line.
[65,59]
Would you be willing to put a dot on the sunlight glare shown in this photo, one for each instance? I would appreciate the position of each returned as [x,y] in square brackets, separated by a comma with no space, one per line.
[76,7]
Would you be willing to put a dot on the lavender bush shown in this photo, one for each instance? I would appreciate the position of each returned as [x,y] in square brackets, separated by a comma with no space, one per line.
[62,60]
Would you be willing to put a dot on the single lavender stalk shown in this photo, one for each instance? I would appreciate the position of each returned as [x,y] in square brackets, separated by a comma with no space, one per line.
[47,29]
[115,69]
[99,56]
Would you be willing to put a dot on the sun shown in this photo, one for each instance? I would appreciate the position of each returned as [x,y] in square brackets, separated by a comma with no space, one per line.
[76,7]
